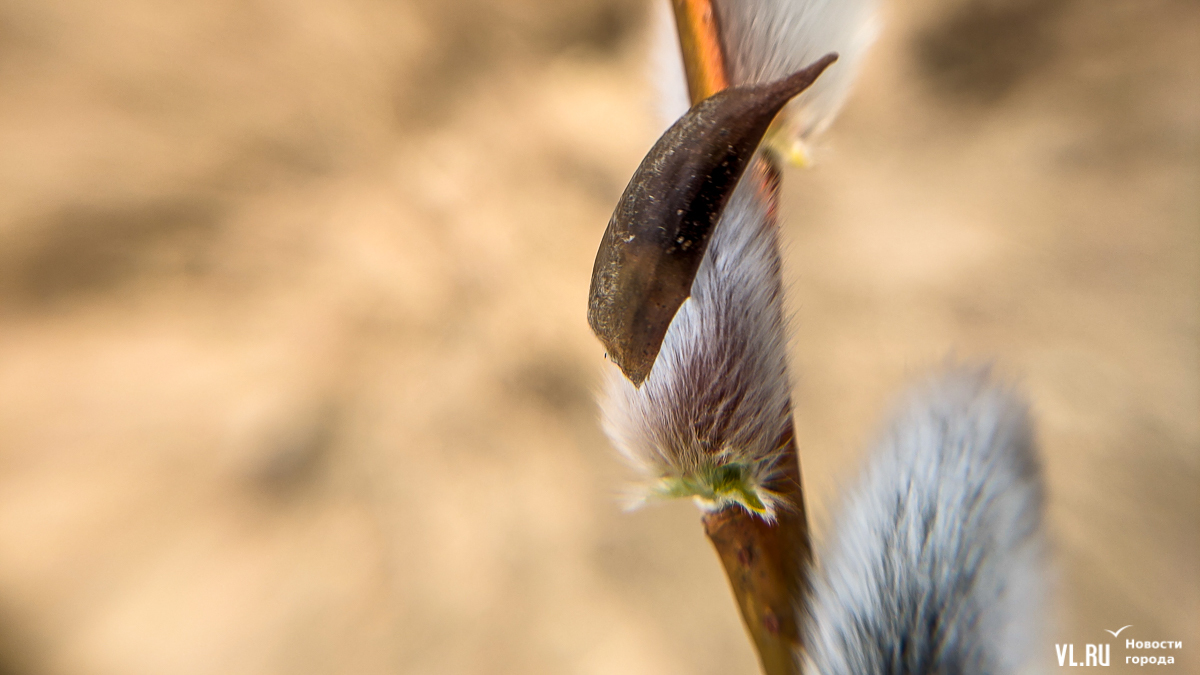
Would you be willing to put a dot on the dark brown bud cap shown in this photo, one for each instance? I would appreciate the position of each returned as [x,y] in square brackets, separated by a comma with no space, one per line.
[660,229]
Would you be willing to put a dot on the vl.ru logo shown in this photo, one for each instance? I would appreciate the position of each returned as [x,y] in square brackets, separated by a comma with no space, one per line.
[1093,655]
[1100,654]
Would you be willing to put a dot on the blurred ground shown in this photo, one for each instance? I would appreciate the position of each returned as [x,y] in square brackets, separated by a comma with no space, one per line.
[294,372]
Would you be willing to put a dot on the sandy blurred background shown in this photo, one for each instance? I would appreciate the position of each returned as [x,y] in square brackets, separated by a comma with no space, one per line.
[294,371]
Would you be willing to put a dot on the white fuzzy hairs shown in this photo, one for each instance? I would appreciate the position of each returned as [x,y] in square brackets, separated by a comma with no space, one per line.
[933,566]
[710,419]
[718,395]
[769,39]
[934,563]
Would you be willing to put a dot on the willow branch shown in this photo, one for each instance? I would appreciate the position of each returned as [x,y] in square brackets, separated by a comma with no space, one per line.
[764,561]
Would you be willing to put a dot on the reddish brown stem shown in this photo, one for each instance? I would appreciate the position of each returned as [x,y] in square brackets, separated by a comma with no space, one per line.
[700,42]
[765,563]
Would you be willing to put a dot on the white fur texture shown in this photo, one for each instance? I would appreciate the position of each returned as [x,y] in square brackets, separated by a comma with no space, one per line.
[718,392]
[934,564]
[770,39]
[935,561]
